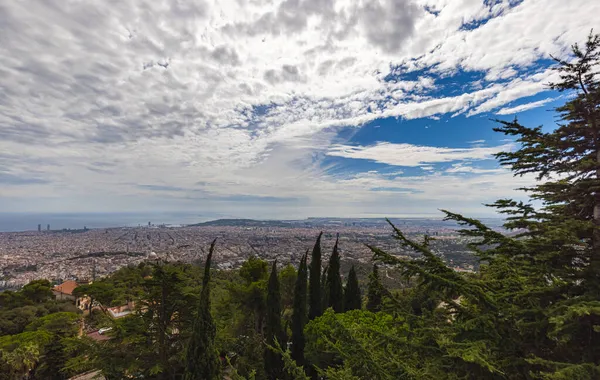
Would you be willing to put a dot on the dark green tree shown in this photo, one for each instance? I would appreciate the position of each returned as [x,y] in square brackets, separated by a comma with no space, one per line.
[563,237]
[315,298]
[287,281]
[335,289]
[202,359]
[352,297]
[273,330]
[374,291]
[300,313]
[567,163]
[324,288]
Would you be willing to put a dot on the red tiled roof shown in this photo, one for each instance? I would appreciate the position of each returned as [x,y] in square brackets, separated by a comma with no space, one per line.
[66,287]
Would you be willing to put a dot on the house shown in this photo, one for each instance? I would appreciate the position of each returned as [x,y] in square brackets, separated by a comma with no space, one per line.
[64,291]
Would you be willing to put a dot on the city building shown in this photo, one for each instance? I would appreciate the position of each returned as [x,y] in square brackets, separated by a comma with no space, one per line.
[64,291]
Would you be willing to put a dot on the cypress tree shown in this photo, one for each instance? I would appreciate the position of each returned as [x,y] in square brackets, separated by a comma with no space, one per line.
[374,291]
[324,288]
[273,329]
[352,298]
[315,299]
[202,359]
[300,314]
[335,293]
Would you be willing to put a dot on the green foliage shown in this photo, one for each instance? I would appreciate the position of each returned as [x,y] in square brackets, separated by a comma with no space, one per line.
[38,291]
[352,297]
[369,345]
[287,281]
[124,285]
[374,291]
[315,298]
[300,313]
[254,270]
[273,330]
[202,360]
[335,291]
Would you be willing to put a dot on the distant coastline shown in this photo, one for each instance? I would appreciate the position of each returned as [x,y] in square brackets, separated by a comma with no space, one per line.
[22,222]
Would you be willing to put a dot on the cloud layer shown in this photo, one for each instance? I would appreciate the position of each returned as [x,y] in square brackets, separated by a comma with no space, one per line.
[163,104]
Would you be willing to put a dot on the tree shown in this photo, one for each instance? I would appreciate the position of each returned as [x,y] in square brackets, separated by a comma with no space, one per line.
[251,295]
[202,359]
[563,237]
[273,329]
[567,161]
[335,290]
[352,297]
[315,298]
[287,281]
[166,310]
[374,291]
[38,291]
[300,315]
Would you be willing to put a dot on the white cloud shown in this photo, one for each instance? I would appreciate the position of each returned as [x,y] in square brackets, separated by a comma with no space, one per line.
[462,168]
[524,107]
[414,155]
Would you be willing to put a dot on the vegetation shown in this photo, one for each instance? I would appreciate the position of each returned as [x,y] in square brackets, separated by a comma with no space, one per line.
[532,311]
[352,297]
[334,294]
[202,360]
[315,297]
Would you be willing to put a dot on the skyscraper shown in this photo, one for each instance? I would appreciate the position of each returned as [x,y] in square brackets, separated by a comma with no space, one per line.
[48,227]
[39,228]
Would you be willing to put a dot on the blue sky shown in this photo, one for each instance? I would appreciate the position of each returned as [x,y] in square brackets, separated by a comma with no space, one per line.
[263,109]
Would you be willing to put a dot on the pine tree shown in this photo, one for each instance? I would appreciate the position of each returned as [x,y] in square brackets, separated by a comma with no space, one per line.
[567,160]
[352,298]
[273,329]
[300,315]
[335,293]
[374,291]
[563,237]
[315,298]
[202,359]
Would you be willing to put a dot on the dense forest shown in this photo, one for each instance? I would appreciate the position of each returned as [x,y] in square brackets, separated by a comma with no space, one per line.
[532,311]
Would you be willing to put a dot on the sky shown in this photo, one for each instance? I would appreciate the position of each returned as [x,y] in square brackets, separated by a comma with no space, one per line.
[273,109]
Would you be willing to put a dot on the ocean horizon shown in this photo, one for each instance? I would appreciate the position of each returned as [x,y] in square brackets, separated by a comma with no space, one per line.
[17,222]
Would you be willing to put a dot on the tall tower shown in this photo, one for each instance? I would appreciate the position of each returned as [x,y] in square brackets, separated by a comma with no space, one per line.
[48,227]
[39,228]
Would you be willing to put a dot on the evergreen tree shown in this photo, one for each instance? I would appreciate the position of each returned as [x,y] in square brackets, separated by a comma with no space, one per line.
[567,160]
[300,314]
[202,359]
[563,237]
[335,293]
[374,291]
[352,298]
[273,329]
[315,298]
[324,288]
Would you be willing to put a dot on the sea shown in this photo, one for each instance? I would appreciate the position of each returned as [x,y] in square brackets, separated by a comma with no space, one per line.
[14,222]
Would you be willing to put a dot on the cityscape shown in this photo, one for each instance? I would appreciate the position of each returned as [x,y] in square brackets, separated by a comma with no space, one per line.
[81,254]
